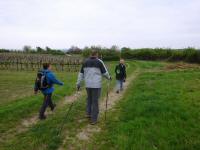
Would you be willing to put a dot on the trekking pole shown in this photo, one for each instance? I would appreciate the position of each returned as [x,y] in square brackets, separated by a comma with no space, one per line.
[68,112]
[107,97]
[59,96]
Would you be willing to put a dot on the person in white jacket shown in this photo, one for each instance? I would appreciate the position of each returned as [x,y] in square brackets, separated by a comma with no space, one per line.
[91,72]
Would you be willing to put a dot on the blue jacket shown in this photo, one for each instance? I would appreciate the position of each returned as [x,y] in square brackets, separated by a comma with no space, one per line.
[51,80]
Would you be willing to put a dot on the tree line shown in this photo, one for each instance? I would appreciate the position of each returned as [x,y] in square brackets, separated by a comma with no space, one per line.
[114,53]
[189,54]
[38,50]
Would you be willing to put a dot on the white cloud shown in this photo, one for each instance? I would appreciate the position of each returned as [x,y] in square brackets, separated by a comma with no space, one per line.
[133,23]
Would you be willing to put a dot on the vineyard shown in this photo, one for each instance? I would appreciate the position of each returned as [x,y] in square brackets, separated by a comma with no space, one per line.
[24,61]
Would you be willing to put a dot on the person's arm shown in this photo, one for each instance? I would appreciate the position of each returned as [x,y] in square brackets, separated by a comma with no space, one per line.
[124,71]
[36,87]
[104,70]
[80,77]
[116,70]
[53,79]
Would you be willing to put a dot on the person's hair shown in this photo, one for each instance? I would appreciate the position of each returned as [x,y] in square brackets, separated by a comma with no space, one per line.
[94,53]
[46,65]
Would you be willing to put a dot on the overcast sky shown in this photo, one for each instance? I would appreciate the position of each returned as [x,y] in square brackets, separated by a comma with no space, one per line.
[130,23]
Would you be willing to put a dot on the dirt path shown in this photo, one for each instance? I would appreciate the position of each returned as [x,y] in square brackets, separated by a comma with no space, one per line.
[67,100]
[87,131]
[25,124]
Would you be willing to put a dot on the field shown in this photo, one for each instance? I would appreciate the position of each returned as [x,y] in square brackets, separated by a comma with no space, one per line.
[159,109]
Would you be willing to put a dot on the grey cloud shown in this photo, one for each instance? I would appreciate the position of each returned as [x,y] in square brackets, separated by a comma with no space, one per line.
[133,23]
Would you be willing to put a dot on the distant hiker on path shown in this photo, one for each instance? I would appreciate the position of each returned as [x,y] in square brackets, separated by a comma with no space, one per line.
[44,82]
[91,72]
[120,71]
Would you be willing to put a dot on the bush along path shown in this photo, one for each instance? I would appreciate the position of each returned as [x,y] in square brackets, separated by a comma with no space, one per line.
[85,132]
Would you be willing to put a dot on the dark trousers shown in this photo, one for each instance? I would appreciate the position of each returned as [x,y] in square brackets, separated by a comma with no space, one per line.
[92,109]
[47,102]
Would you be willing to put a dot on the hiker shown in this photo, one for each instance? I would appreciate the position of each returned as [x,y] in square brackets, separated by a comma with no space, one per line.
[91,72]
[44,82]
[120,71]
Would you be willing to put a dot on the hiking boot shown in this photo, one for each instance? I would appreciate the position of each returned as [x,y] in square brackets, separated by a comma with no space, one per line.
[54,106]
[117,91]
[93,122]
[42,117]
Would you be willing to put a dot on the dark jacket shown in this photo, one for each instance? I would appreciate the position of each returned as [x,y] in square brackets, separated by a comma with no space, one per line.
[120,71]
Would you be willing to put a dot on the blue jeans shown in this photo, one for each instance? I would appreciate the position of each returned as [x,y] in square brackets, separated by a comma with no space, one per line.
[120,85]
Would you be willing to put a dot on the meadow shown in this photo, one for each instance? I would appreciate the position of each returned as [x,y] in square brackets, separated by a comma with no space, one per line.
[160,109]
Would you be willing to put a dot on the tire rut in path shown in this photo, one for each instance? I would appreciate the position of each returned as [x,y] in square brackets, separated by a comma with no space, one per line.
[87,131]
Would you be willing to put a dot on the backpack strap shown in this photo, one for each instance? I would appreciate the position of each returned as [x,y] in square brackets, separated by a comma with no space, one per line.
[45,73]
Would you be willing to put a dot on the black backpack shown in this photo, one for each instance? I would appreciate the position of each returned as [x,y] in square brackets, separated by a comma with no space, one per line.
[41,81]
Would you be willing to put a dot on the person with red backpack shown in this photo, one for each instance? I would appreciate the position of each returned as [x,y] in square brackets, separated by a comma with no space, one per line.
[44,82]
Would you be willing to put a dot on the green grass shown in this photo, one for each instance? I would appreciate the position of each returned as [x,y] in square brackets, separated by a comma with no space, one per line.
[16,85]
[13,112]
[21,87]
[46,134]
[148,65]
[159,111]
[43,135]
